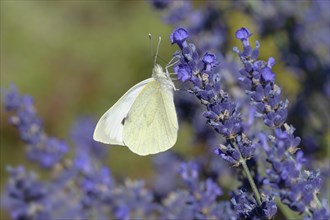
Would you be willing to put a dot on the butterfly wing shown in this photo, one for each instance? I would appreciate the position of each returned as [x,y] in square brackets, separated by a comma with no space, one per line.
[151,125]
[109,129]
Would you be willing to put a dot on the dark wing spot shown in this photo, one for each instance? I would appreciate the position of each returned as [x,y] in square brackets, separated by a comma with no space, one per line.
[123,121]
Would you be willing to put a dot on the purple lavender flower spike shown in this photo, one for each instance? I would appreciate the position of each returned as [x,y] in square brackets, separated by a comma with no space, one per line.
[297,188]
[173,206]
[210,61]
[221,112]
[133,200]
[243,205]
[247,208]
[179,37]
[47,151]
[269,208]
[189,174]
[97,186]
[202,195]
[12,99]
[51,153]
[275,119]
[267,74]
[243,35]
[271,62]
[183,71]
[25,196]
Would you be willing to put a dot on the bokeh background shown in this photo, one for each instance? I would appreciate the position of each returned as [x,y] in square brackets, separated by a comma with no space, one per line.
[77,58]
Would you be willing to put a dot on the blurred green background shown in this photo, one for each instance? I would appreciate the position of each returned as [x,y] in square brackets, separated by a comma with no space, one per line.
[78,57]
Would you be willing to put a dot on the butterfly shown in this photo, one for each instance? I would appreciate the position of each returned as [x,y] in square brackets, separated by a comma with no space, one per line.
[144,119]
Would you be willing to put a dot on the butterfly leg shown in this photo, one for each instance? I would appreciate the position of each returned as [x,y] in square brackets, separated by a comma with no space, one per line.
[171,63]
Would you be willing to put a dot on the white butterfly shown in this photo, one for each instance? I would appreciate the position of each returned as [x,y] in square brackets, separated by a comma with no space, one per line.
[144,118]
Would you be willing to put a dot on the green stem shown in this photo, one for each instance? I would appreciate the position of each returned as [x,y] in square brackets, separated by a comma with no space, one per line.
[248,175]
[286,211]
[316,199]
[253,185]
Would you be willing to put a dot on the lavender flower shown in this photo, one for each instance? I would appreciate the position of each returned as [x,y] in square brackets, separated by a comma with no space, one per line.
[176,11]
[179,37]
[96,186]
[200,200]
[301,33]
[189,174]
[47,151]
[133,200]
[26,196]
[222,114]
[296,190]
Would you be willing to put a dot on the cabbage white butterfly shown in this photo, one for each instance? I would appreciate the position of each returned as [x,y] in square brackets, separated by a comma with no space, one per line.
[144,118]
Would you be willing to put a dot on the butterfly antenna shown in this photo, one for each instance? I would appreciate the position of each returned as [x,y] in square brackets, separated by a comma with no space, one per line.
[152,52]
[155,58]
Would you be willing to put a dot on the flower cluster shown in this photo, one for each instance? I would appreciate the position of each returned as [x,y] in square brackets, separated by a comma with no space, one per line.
[200,199]
[297,189]
[25,195]
[222,114]
[45,150]
[304,49]
[246,208]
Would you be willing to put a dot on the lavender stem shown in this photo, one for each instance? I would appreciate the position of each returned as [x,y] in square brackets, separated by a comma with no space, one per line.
[316,199]
[248,174]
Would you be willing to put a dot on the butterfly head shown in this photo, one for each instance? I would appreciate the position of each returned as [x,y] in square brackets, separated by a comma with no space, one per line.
[162,77]
[158,72]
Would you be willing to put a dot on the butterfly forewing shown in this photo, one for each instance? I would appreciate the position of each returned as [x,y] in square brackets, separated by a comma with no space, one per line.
[151,125]
[109,129]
